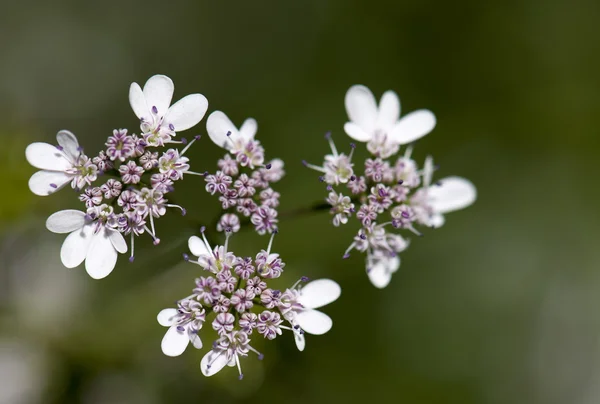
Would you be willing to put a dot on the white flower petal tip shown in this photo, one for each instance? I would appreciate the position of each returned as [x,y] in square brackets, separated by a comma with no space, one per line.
[319,293]
[117,240]
[165,317]
[65,221]
[361,107]
[197,246]
[452,193]
[218,126]
[300,341]
[175,341]
[187,112]
[46,157]
[380,274]
[314,322]
[413,126]
[212,363]
[44,183]
[101,256]
[68,141]
[158,92]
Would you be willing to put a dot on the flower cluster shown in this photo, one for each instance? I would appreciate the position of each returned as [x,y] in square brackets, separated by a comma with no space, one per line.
[243,181]
[389,191]
[235,300]
[124,187]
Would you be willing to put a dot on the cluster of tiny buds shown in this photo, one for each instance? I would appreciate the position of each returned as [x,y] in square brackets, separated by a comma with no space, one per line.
[243,184]
[385,193]
[236,290]
[141,179]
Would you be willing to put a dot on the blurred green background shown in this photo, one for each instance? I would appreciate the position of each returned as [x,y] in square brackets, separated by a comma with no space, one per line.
[498,306]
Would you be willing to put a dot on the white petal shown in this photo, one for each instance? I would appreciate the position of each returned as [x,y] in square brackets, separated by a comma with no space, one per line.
[69,143]
[158,91]
[300,341]
[413,126]
[174,342]
[393,263]
[194,338]
[41,182]
[197,246]
[361,107]
[437,220]
[187,112]
[314,322]
[319,293]
[117,240]
[165,317]
[101,257]
[137,100]
[389,110]
[379,275]
[356,132]
[65,221]
[213,362]
[248,129]
[453,193]
[46,157]
[75,246]
[217,126]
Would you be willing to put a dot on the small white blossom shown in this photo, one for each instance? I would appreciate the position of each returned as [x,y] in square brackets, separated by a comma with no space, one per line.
[90,239]
[59,165]
[381,125]
[159,120]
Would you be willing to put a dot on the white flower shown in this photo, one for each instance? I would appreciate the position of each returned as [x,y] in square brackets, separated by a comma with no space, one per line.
[447,195]
[224,133]
[159,122]
[184,325]
[304,317]
[381,270]
[89,240]
[381,126]
[59,165]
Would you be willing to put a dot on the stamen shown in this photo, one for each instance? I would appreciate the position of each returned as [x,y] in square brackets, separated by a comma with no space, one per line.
[347,252]
[227,235]
[352,146]
[313,167]
[186,257]
[59,147]
[183,211]
[53,185]
[206,241]
[331,144]
[132,248]
[172,127]
[408,152]
[189,144]
[322,178]
[268,166]
[271,242]
[237,361]
[154,110]
[400,182]
[353,177]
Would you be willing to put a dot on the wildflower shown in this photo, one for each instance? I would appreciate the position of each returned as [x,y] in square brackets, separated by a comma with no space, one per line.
[380,126]
[120,145]
[158,120]
[59,165]
[92,239]
[244,307]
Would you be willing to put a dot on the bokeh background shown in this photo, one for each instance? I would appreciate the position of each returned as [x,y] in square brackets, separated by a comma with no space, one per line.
[498,306]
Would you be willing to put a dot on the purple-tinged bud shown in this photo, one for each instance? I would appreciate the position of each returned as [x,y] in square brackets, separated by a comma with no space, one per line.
[172,127]
[154,110]
[53,185]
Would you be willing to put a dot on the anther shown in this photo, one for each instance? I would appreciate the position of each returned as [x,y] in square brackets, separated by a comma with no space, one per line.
[54,185]
[362,236]
[183,212]
[131,258]
[268,166]
[353,145]
[261,357]
[228,133]
[241,376]
[400,182]
[405,215]
[322,178]
[156,241]
[180,328]
[328,135]
[172,127]
[353,177]
[183,140]
[79,148]
[59,148]
[202,229]
[197,137]
[186,257]
[304,163]
[154,110]
[329,188]
[346,256]
[305,279]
